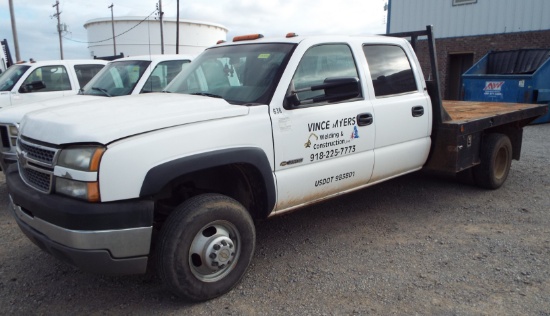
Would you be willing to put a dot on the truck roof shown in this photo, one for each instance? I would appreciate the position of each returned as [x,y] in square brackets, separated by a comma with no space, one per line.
[159,57]
[63,62]
[311,38]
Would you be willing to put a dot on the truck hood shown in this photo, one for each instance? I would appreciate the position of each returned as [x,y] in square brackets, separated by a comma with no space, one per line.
[106,120]
[14,114]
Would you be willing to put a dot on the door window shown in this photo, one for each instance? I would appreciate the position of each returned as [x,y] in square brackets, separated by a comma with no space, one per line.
[85,73]
[51,78]
[163,73]
[318,64]
[390,70]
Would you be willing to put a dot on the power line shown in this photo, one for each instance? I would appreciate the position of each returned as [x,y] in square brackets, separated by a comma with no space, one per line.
[110,38]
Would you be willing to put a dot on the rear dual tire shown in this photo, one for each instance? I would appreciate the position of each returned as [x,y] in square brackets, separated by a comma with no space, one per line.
[496,160]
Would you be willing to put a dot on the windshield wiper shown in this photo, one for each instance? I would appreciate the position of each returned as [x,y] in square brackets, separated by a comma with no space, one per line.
[102,90]
[206,94]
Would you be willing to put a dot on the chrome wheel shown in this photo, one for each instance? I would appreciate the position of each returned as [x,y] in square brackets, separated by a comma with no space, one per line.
[214,251]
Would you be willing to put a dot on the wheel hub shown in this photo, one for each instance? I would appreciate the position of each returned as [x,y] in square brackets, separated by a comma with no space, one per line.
[214,251]
[219,252]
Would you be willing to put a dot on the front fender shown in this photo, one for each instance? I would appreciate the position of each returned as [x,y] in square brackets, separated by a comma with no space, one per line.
[160,176]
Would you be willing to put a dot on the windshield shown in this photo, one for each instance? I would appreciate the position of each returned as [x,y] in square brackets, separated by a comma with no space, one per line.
[240,74]
[117,78]
[11,76]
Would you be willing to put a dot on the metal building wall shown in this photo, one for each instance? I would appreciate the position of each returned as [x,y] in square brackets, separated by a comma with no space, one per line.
[480,18]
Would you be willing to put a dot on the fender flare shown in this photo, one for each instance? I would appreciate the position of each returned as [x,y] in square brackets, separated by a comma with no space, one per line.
[159,176]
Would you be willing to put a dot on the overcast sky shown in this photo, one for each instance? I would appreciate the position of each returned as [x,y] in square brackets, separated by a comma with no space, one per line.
[36,26]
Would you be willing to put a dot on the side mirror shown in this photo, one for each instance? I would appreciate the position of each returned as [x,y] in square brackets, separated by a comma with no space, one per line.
[335,89]
[33,86]
[293,100]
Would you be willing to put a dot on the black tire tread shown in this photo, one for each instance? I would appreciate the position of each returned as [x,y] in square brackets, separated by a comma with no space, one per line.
[484,173]
[170,237]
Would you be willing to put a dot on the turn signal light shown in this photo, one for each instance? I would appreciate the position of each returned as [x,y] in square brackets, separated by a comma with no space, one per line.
[94,163]
[93,192]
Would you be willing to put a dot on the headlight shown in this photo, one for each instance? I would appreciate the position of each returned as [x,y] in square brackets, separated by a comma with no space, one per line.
[82,183]
[14,131]
[81,158]
[88,191]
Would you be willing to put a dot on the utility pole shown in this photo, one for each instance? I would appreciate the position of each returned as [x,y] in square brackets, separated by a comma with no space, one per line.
[59,30]
[161,28]
[178,27]
[14,32]
[113,27]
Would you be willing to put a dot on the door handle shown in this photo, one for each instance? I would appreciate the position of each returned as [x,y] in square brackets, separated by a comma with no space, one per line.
[364,119]
[417,111]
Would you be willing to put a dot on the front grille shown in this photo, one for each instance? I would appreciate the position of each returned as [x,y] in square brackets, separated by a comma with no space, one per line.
[39,180]
[4,136]
[39,153]
[36,163]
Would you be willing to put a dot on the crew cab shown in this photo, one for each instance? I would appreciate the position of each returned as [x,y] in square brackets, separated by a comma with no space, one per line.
[124,76]
[29,82]
[251,129]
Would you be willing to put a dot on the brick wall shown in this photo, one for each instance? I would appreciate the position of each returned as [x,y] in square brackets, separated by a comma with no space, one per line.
[479,46]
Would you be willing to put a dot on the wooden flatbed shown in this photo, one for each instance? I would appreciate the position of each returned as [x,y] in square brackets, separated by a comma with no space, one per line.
[457,140]
[466,111]
[467,134]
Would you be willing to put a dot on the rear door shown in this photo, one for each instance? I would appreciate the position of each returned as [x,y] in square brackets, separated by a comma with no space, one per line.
[402,110]
[322,148]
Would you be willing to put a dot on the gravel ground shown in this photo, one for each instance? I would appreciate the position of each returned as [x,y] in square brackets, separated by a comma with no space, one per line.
[419,244]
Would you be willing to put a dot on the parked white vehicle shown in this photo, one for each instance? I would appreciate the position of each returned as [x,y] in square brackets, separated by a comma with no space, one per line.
[251,129]
[138,74]
[130,75]
[29,82]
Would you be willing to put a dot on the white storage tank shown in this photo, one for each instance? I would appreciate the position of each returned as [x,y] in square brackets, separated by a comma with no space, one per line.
[141,36]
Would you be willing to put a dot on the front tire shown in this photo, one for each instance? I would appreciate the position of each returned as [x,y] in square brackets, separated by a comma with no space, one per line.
[205,247]
[496,159]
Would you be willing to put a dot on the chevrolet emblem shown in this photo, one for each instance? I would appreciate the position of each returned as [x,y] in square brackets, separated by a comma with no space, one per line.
[23,160]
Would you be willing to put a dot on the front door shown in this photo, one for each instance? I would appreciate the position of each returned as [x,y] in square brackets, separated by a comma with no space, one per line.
[322,148]
[44,83]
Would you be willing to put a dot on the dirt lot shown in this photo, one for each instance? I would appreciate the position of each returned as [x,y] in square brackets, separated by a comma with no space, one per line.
[416,245]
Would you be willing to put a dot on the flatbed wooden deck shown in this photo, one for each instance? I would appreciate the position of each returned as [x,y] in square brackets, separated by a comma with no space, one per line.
[466,111]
